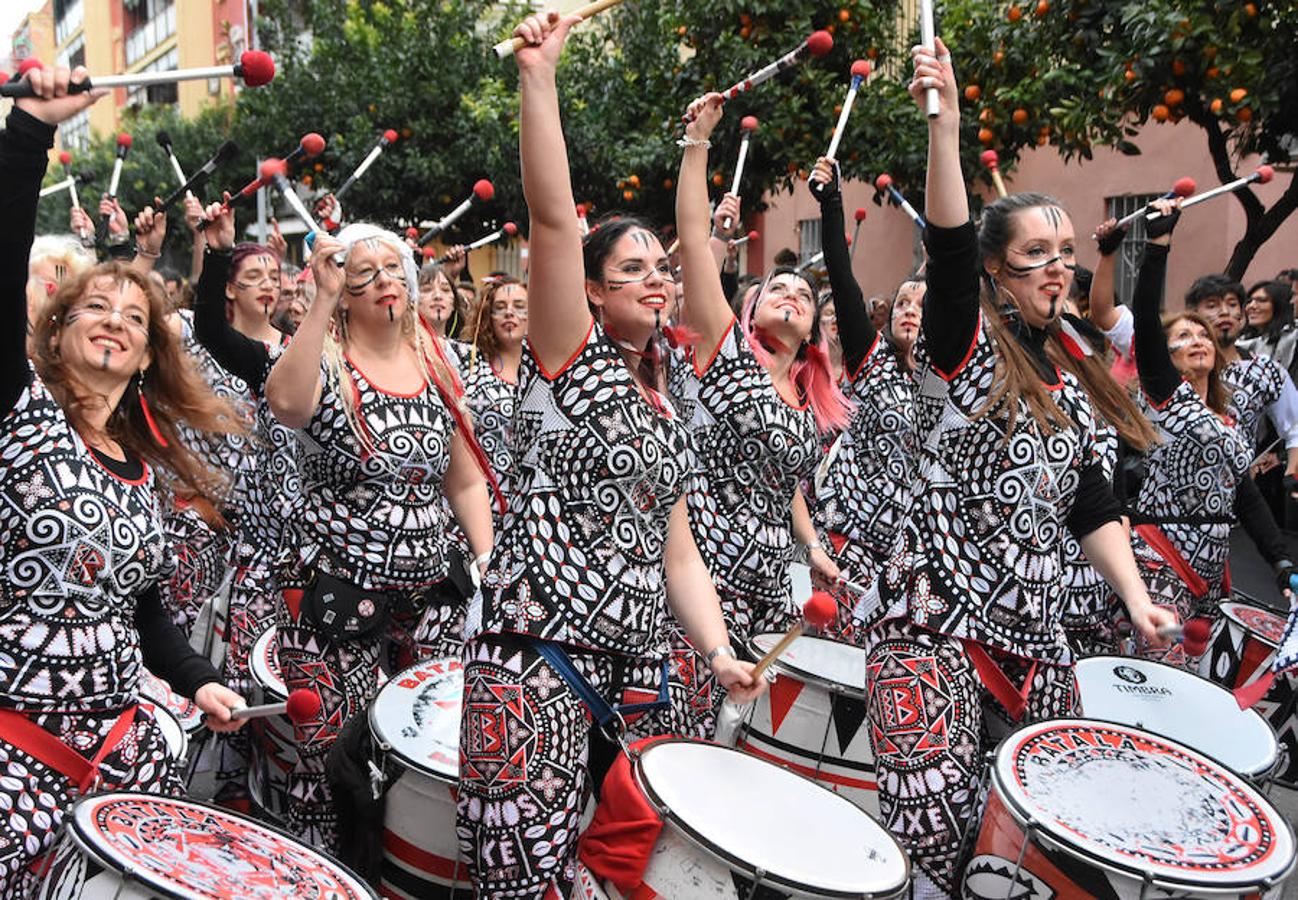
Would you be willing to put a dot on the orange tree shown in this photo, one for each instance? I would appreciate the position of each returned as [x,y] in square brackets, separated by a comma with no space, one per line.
[1077,74]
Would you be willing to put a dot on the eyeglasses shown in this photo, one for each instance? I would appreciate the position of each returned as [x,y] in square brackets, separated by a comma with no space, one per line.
[97,310]
[367,276]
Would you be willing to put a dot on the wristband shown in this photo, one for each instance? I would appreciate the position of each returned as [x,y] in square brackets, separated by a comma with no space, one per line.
[688,141]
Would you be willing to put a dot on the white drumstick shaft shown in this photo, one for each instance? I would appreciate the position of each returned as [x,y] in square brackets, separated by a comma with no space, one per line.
[739,165]
[117,176]
[291,198]
[484,241]
[137,79]
[910,210]
[928,37]
[842,117]
[259,712]
[454,215]
[1218,191]
[72,191]
[367,162]
[57,186]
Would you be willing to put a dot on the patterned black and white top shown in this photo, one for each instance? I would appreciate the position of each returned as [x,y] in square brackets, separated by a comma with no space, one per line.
[864,494]
[78,545]
[1190,485]
[490,399]
[1086,591]
[374,517]
[597,472]
[1257,385]
[753,451]
[980,555]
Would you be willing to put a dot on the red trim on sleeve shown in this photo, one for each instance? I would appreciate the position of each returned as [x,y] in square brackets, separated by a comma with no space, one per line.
[867,359]
[950,376]
[540,367]
[715,350]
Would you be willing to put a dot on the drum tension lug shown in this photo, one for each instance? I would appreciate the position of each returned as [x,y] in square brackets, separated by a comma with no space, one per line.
[377,779]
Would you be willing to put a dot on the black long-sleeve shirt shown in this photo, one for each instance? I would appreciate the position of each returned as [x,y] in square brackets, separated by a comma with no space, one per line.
[234,351]
[856,331]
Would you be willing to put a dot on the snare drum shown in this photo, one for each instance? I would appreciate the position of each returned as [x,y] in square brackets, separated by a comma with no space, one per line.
[172,732]
[273,751]
[1080,809]
[129,846]
[415,723]
[186,711]
[812,720]
[1244,640]
[1165,700]
[731,820]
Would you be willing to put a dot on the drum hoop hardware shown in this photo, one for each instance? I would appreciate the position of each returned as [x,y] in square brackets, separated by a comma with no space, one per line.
[1029,828]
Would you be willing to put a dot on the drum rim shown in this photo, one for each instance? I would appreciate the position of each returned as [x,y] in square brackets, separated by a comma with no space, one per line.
[784,667]
[392,752]
[149,880]
[1225,612]
[199,722]
[1270,729]
[1022,817]
[742,866]
[254,666]
[154,708]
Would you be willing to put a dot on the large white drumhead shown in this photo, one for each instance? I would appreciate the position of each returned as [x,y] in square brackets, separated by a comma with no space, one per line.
[765,817]
[1140,803]
[1178,705]
[1266,626]
[417,713]
[185,849]
[827,661]
[264,663]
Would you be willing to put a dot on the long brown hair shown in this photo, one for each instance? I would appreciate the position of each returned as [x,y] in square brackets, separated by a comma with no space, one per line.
[483,334]
[1112,404]
[172,386]
[1218,397]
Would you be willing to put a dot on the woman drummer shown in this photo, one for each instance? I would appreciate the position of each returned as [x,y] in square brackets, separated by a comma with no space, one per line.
[82,428]
[970,638]
[596,536]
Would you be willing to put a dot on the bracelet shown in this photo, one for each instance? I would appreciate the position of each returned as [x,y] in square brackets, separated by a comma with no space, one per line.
[723,650]
[483,560]
[688,141]
[140,251]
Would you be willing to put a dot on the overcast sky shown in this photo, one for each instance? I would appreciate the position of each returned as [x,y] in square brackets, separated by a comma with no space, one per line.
[11,14]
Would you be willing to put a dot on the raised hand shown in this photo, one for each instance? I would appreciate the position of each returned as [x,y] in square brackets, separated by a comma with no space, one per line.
[220,224]
[52,103]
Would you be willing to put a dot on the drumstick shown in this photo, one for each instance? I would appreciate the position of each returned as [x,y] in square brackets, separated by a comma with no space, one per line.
[818,43]
[301,706]
[992,160]
[819,612]
[860,72]
[746,128]
[928,37]
[1261,176]
[509,46]
[1194,635]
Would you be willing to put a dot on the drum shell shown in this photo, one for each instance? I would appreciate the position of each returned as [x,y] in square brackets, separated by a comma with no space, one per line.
[421,854]
[817,728]
[273,749]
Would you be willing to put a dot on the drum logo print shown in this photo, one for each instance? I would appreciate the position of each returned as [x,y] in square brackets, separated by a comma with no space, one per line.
[499,734]
[1130,675]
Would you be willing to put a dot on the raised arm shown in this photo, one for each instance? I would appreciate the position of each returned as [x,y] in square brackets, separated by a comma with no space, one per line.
[556,289]
[856,332]
[235,352]
[1103,299]
[1158,376]
[951,306]
[706,309]
[24,145]
[293,387]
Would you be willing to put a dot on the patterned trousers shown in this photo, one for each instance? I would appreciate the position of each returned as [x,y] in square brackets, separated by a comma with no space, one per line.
[34,798]
[529,761]
[932,722]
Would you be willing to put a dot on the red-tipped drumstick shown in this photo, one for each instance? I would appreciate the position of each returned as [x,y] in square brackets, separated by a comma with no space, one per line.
[818,612]
[508,46]
[123,147]
[859,215]
[818,43]
[301,706]
[1194,635]
[482,193]
[388,137]
[747,125]
[751,236]
[860,72]
[272,172]
[582,225]
[991,159]
[884,183]
[509,229]
[255,68]
[1261,176]
[1184,187]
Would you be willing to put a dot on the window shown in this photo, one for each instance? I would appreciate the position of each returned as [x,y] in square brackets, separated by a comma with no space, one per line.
[148,23]
[510,258]
[68,16]
[809,243]
[74,54]
[156,93]
[1124,280]
[75,132]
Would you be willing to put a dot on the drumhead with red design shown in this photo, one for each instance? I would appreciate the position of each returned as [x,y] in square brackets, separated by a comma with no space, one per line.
[417,716]
[1142,804]
[1263,624]
[264,663]
[160,693]
[185,849]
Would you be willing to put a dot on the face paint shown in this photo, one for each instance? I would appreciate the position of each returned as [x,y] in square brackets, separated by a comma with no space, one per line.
[107,356]
[1053,215]
[658,320]
[1024,271]
[390,317]
[787,314]
[642,237]
[1179,345]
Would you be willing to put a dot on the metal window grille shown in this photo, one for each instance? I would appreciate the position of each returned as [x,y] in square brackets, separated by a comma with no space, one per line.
[809,239]
[1124,281]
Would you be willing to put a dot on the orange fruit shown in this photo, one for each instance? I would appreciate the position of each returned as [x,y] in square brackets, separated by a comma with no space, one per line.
[838,109]
[745,19]
[987,115]
[972,93]
[1250,10]
[668,184]
[745,32]
[1130,75]
[1160,113]
[1210,52]
[1212,72]
[718,180]
[986,135]
[306,179]
[793,167]
[682,31]
[634,181]
[803,174]
[1015,14]
[406,132]
[1174,97]
[998,57]
[1020,116]
[1178,67]
[1043,7]
[628,195]
[1238,94]
[1215,105]
[844,15]
[1244,114]
[1043,139]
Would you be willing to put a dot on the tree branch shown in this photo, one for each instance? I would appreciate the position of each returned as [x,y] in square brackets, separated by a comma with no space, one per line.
[1261,229]
[1219,150]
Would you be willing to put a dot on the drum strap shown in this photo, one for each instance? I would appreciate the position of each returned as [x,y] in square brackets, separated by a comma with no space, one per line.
[32,739]
[1155,538]
[1015,700]
[600,709]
